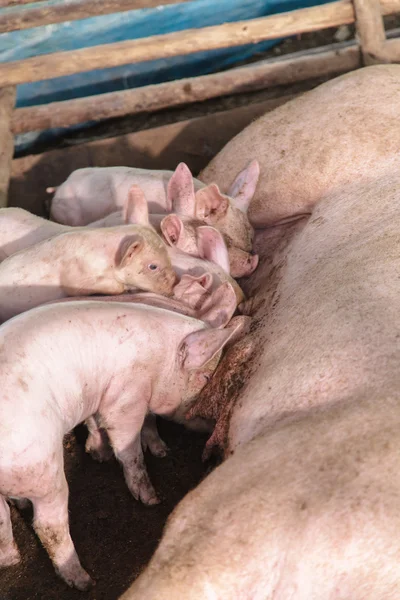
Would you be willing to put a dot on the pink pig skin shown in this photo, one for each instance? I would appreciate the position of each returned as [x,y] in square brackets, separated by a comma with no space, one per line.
[92,193]
[19,229]
[108,261]
[185,234]
[306,504]
[61,364]
[215,308]
[343,131]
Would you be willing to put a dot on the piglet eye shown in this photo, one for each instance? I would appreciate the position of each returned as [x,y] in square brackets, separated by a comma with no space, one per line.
[153,267]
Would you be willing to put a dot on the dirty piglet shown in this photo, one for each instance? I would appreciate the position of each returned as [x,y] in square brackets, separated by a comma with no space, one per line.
[95,261]
[63,363]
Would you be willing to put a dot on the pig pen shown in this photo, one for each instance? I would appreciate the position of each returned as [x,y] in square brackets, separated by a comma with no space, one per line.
[115,536]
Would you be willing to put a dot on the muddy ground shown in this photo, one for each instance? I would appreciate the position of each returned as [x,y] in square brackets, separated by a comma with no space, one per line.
[115,536]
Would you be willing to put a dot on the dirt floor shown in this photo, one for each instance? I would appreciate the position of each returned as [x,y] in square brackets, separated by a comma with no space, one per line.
[115,536]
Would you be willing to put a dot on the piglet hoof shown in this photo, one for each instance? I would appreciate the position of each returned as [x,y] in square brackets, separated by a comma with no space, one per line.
[156,447]
[143,491]
[148,496]
[78,579]
[84,583]
[102,455]
[151,440]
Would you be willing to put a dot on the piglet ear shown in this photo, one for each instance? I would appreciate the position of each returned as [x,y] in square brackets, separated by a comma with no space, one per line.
[211,246]
[201,346]
[136,211]
[189,282]
[243,188]
[128,249]
[173,230]
[180,192]
[218,308]
[192,290]
[204,280]
[211,204]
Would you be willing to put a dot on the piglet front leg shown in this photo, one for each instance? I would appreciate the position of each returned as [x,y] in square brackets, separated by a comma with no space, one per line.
[123,422]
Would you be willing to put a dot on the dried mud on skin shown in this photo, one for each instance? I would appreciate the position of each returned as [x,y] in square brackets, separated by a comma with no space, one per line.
[115,536]
[219,396]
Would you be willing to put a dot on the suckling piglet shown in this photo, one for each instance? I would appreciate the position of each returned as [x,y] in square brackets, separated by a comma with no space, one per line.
[92,193]
[214,261]
[214,308]
[63,363]
[89,261]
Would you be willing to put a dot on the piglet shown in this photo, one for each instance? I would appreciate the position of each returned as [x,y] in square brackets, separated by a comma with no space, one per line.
[92,193]
[106,261]
[19,229]
[213,308]
[226,212]
[61,364]
[215,258]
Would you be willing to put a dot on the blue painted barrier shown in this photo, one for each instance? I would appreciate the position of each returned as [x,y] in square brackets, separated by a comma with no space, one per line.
[133,24]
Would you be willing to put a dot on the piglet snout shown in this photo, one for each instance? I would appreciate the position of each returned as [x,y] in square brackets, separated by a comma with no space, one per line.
[242,263]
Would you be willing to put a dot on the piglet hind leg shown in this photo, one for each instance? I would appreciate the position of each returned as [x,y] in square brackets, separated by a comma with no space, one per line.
[9,554]
[151,438]
[124,422]
[52,526]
